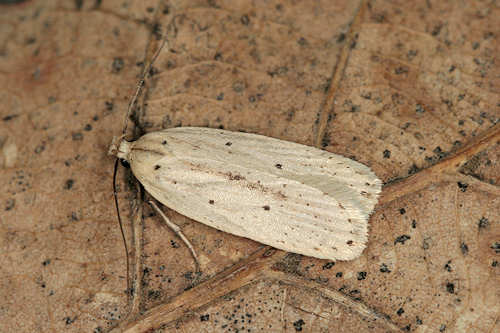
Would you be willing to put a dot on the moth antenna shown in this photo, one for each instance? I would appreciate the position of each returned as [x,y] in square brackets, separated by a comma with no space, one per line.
[140,84]
[115,195]
[133,100]
[178,231]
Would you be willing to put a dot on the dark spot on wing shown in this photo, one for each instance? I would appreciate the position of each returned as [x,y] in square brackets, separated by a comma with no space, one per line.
[235,177]
[211,202]
[157,167]
[228,143]
[278,165]
[365,194]
[350,242]
[266,207]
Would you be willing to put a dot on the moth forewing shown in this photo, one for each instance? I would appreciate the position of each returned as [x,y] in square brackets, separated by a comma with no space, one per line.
[290,196]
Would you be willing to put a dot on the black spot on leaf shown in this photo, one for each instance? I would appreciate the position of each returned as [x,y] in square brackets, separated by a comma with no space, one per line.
[384,268]
[483,223]
[462,186]
[329,265]
[401,239]
[69,184]
[464,248]
[298,325]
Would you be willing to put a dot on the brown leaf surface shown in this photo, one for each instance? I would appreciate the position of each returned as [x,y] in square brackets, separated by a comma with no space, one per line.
[410,88]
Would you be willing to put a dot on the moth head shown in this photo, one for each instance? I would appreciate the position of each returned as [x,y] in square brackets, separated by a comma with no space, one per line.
[120,148]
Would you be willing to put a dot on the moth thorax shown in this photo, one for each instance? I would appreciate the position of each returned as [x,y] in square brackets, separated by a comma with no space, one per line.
[120,148]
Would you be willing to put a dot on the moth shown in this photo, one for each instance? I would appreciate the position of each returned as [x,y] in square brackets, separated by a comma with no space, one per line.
[290,196]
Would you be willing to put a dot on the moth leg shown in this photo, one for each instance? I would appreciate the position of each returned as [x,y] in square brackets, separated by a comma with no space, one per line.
[178,231]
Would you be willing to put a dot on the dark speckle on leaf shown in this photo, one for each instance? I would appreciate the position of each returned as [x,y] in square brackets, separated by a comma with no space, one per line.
[69,184]
[11,203]
[329,265]
[419,108]
[448,267]
[266,207]
[413,169]
[401,239]
[384,268]
[298,325]
[77,136]
[361,276]
[157,167]
[400,311]
[483,223]
[117,65]
[278,165]
[39,149]
[401,70]
[462,186]
[496,247]
[109,106]
[205,317]
[464,248]
[228,143]
[450,287]
[245,20]
[387,153]
[69,320]
[9,117]
[402,211]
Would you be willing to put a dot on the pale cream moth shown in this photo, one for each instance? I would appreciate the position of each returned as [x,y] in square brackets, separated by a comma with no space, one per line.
[293,197]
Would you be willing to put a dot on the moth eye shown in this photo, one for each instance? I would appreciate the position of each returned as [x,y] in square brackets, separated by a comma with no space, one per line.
[125,163]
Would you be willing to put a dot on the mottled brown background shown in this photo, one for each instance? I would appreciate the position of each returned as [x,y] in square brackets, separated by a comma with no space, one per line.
[410,88]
